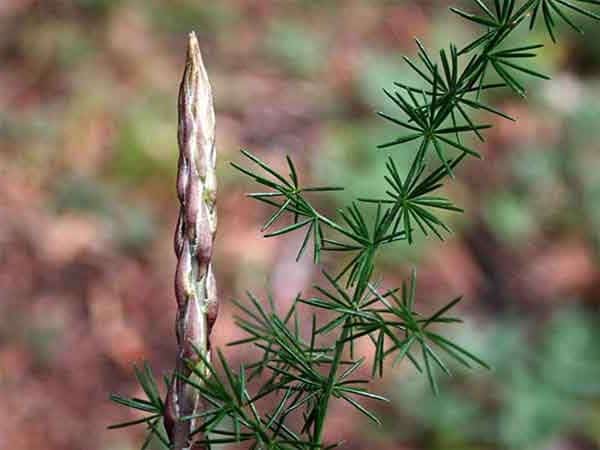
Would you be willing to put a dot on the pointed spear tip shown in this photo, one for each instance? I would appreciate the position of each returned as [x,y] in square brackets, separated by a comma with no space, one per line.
[195,64]
[192,40]
[194,54]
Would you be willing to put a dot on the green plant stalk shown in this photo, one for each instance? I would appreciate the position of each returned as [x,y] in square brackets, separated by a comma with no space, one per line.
[360,289]
[326,397]
[195,286]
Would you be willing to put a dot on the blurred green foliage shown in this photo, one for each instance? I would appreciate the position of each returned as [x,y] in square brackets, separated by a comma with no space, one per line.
[208,18]
[293,48]
[132,227]
[534,396]
[509,217]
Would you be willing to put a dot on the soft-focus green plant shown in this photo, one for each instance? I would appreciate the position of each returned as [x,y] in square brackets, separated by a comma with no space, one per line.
[543,387]
[304,368]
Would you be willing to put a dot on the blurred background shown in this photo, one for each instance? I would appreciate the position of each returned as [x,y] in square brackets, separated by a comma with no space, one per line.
[88,207]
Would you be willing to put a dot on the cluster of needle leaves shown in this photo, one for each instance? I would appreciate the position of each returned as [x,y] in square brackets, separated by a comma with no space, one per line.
[303,368]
